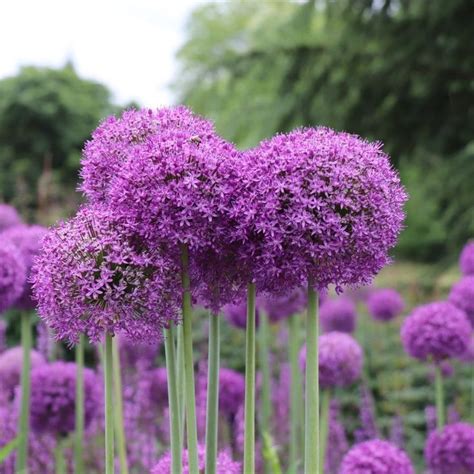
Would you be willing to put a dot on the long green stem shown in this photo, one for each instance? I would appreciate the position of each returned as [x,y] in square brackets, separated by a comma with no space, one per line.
[326,398]
[264,352]
[439,397]
[79,434]
[60,461]
[109,409]
[175,436]
[296,394]
[212,394]
[118,409]
[180,382]
[249,442]
[24,422]
[312,385]
[190,401]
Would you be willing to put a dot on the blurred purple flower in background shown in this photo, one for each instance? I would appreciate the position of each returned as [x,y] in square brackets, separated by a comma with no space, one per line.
[12,274]
[283,306]
[368,424]
[338,314]
[337,444]
[385,304]
[466,259]
[236,314]
[462,296]
[8,217]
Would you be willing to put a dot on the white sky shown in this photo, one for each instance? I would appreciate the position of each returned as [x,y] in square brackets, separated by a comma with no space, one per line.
[129,45]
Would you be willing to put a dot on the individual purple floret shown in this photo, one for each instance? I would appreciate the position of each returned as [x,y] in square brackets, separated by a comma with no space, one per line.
[225,464]
[11,362]
[8,217]
[462,296]
[436,331]
[340,360]
[451,451]
[385,304]
[338,315]
[28,240]
[337,445]
[53,394]
[466,259]
[236,314]
[368,424]
[315,205]
[12,274]
[92,278]
[376,457]
[283,306]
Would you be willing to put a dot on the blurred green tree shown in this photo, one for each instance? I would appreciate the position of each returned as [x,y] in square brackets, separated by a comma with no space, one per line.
[398,71]
[45,117]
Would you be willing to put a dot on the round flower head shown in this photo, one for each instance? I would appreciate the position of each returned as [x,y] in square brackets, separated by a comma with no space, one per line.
[451,451]
[236,314]
[385,304]
[8,217]
[231,391]
[462,296]
[436,331]
[338,315]
[466,260]
[53,394]
[12,274]
[225,464]
[11,362]
[279,307]
[376,457]
[468,355]
[91,277]
[316,205]
[340,360]
[28,241]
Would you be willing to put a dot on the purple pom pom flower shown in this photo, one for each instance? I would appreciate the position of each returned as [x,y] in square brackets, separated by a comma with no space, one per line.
[466,260]
[283,306]
[12,274]
[91,278]
[436,331]
[376,457]
[236,314]
[340,360]
[338,315]
[462,296]
[53,394]
[8,217]
[385,304]
[451,451]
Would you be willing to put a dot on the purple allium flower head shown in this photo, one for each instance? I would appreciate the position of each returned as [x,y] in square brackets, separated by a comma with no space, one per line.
[231,391]
[316,205]
[468,355]
[451,451]
[12,274]
[133,352]
[236,314]
[340,359]
[376,457]
[437,331]
[385,304]
[53,393]
[462,295]
[338,315]
[466,259]
[225,464]
[28,240]
[283,306]
[8,217]
[11,362]
[91,278]
[159,387]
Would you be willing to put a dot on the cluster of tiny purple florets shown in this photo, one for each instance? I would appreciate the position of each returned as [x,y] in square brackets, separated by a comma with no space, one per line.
[385,304]
[466,259]
[376,457]
[8,217]
[436,331]
[338,315]
[236,314]
[283,306]
[462,296]
[340,360]
[90,279]
[451,451]
[12,274]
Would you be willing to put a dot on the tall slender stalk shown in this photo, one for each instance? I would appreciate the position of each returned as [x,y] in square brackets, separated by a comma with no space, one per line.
[249,442]
[190,401]
[79,428]
[109,409]
[180,382]
[212,394]
[59,459]
[264,352]
[439,397]
[296,394]
[176,439]
[326,398]
[24,422]
[118,409]
[312,385]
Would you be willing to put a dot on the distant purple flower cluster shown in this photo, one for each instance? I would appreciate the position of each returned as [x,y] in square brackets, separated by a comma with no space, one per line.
[466,259]
[337,444]
[451,451]
[283,306]
[338,315]
[462,296]
[436,330]
[385,304]
[376,457]
[134,352]
[340,360]
[236,314]
[368,424]
[12,274]
[8,217]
